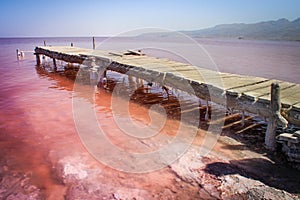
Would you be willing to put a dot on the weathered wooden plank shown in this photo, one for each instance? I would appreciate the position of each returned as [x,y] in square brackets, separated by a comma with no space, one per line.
[168,65]
[133,57]
[207,75]
[249,88]
[138,59]
[203,72]
[165,68]
[175,64]
[214,75]
[149,64]
[291,100]
[130,64]
[162,69]
[285,93]
[184,68]
[146,60]
[266,94]
[233,82]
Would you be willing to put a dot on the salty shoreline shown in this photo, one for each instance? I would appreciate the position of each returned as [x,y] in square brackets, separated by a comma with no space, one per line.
[242,174]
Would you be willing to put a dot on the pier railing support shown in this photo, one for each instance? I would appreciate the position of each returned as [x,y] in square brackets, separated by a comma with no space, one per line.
[18,54]
[54,65]
[94,43]
[243,118]
[206,117]
[38,59]
[275,118]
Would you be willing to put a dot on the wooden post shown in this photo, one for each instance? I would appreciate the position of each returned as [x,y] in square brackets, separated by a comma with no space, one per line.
[38,59]
[18,54]
[45,43]
[94,43]
[275,118]
[71,44]
[206,117]
[54,65]
[243,118]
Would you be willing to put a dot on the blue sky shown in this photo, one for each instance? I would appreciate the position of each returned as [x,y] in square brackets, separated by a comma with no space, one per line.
[110,17]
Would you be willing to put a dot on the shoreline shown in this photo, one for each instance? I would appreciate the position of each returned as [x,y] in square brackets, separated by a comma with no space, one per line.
[229,176]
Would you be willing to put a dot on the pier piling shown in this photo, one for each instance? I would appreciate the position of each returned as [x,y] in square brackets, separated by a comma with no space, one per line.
[275,118]
[243,118]
[54,64]
[38,59]
[206,111]
[18,54]
[94,43]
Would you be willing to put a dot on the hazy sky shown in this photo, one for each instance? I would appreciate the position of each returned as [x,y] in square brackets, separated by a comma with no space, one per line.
[111,17]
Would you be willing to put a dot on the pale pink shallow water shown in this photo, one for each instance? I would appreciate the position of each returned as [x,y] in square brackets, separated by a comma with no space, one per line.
[36,117]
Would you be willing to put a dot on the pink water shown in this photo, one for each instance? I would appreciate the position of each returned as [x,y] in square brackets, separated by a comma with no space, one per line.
[36,120]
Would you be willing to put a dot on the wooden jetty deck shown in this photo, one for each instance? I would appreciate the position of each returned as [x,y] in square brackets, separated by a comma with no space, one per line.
[245,93]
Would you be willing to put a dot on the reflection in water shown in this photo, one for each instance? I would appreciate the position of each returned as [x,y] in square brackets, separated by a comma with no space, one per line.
[173,101]
[145,94]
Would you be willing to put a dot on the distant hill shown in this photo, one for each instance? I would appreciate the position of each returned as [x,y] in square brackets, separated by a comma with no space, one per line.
[281,29]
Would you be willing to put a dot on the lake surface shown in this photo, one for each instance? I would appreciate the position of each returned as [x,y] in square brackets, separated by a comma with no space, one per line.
[36,119]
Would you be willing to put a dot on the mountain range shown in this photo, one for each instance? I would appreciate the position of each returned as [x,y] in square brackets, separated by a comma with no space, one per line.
[281,29]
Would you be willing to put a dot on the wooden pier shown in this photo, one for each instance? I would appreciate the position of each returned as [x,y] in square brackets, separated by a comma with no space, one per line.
[244,93]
